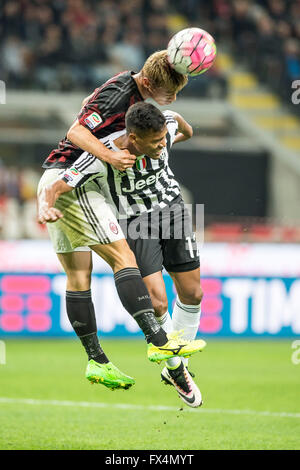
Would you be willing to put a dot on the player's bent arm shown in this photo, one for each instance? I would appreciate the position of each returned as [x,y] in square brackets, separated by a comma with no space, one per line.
[84,139]
[185,130]
[46,199]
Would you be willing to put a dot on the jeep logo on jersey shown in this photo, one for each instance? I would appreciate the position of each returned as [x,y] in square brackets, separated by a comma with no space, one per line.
[93,120]
[142,183]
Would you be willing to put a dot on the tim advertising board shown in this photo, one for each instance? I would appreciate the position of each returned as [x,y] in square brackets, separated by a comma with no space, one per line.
[249,290]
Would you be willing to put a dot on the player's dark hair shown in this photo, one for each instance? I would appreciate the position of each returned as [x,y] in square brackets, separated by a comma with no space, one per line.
[144,117]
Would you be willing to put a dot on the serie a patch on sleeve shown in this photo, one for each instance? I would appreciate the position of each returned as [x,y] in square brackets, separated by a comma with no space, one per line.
[72,176]
[93,120]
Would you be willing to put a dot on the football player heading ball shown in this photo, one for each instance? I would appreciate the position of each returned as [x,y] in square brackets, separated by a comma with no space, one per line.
[166,239]
[102,113]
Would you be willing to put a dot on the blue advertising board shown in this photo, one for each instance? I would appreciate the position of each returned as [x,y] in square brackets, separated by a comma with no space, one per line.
[33,304]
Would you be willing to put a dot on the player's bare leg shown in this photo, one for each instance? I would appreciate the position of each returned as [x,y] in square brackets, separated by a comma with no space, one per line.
[117,254]
[186,317]
[157,290]
[188,286]
[186,314]
[187,308]
[78,267]
[175,373]
[189,296]
[81,313]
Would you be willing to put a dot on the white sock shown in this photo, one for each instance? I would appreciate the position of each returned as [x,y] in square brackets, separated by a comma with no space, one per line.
[165,322]
[187,318]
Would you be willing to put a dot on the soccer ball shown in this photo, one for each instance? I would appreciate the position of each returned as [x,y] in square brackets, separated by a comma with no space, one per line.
[191,51]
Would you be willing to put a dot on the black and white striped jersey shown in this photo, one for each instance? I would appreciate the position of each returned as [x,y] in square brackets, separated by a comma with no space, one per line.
[150,183]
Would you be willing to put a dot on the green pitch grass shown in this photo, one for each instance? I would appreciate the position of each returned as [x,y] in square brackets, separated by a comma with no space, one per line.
[251,392]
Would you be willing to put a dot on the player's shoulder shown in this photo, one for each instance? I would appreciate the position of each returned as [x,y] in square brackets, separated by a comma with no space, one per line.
[116,93]
[120,80]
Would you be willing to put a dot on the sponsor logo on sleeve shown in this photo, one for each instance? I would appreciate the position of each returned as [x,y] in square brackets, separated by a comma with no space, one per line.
[68,177]
[93,120]
[113,228]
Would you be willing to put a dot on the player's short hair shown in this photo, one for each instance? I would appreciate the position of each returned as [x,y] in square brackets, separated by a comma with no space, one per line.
[160,73]
[142,118]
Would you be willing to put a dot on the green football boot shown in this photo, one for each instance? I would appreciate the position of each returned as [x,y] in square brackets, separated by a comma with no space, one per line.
[108,375]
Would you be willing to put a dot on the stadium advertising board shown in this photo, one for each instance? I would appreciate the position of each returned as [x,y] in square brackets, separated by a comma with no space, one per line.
[245,292]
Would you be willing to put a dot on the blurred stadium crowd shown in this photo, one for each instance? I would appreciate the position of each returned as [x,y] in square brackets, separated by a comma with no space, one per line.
[265,35]
[67,45]
[75,45]
[18,203]
[71,44]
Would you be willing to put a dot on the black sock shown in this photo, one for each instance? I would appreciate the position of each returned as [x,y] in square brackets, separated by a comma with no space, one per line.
[136,300]
[81,313]
[93,349]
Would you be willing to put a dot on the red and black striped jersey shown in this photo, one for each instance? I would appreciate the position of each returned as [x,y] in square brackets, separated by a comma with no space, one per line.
[102,115]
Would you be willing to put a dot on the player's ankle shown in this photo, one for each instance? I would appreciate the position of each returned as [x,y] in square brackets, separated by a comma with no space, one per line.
[158,339]
[173,363]
[100,359]
[177,369]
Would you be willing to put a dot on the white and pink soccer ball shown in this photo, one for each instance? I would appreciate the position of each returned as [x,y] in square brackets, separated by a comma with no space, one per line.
[192,51]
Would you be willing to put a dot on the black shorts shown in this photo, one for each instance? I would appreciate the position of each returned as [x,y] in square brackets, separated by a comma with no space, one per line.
[163,238]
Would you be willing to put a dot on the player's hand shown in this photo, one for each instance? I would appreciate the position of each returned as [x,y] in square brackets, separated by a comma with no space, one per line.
[48,214]
[122,160]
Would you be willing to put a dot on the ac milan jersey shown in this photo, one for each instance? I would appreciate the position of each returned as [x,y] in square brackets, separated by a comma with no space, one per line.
[150,183]
[102,115]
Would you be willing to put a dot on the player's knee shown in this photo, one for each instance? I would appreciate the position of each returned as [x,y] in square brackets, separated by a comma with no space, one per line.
[198,295]
[193,296]
[125,260]
[78,280]
[119,257]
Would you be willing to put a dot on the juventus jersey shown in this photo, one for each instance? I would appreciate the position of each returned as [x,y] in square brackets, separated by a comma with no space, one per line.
[103,114]
[150,183]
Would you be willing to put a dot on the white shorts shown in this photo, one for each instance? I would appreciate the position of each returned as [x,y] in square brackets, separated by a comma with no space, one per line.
[88,220]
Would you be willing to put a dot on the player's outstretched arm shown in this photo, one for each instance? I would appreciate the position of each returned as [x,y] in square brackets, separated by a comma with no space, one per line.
[46,199]
[185,130]
[84,139]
